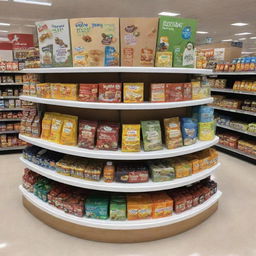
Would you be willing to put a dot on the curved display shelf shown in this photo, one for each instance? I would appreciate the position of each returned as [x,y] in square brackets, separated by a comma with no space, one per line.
[10,120]
[119,187]
[235,73]
[226,90]
[240,111]
[8,97]
[11,109]
[119,225]
[119,69]
[236,130]
[118,155]
[118,106]
[12,148]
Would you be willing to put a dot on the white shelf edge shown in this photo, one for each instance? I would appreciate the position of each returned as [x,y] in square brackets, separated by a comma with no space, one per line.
[119,69]
[240,111]
[10,120]
[11,109]
[8,72]
[119,187]
[11,84]
[235,150]
[8,132]
[118,155]
[234,73]
[117,106]
[8,97]
[236,130]
[12,148]
[119,225]
[233,91]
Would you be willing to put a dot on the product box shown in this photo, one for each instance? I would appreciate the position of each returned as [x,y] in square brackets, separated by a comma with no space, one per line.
[54,43]
[138,41]
[176,38]
[157,93]
[110,92]
[133,92]
[95,41]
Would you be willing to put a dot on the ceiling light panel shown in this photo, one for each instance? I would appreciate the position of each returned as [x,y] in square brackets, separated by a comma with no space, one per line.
[5,24]
[227,40]
[253,37]
[33,2]
[239,24]
[169,14]
[4,31]
[242,39]
[201,32]
[243,34]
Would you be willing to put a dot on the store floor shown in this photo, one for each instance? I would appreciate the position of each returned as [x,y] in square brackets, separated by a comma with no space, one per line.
[229,232]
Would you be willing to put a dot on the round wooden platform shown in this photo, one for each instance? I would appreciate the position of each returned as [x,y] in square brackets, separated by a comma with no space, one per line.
[118,236]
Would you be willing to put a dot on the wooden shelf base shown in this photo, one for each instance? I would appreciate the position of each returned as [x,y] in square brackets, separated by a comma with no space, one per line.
[118,236]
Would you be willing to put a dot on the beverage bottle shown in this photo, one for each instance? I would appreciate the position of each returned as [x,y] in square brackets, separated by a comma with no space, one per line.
[109,172]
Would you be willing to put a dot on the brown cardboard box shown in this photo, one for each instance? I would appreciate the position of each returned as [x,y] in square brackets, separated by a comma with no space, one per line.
[95,41]
[138,41]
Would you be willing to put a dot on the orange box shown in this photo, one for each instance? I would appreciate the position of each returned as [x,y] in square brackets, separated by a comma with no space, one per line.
[162,205]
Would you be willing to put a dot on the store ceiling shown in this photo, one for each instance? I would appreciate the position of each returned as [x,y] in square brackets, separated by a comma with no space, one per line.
[214,16]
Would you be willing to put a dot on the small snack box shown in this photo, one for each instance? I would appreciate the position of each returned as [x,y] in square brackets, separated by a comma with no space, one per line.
[133,92]
[187,91]
[162,205]
[174,92]
[68,91]
[117,209]
[110,92]
[87,132]
[131,138]
[189,131]
[206,131]
[88,92]
[157,92]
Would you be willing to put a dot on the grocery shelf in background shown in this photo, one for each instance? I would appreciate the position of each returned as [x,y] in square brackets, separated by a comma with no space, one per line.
[240,111]
[236,130]
[226,90]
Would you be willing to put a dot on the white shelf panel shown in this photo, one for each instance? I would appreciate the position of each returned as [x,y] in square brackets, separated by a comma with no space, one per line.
[8,72]
[235,73]
[8,132]
[8,97]
[11,84]
[119,187]
[11,109]
[225,90]
[236,130]
[118,69]
[235,150]
[10,120]
[117,106]
[12,148]
[118,155]
[240,111]
[119,225]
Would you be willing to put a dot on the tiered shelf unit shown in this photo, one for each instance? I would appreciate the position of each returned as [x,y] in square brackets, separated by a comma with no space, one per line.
[119,231]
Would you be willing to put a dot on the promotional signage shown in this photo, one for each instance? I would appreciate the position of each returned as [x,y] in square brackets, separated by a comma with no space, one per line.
[21,41]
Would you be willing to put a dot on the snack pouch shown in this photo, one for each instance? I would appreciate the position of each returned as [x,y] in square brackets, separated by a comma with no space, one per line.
[131,138]
[87,132]
[88,92]
[151,133]
[56,128]
[133,92]
[69,130]
[205,114]
[46,125]
[173,138]
[196,90]
[55,90]
[68,91]
[110,92]
[189,131]
[157,92]
[174,92]
[206,131]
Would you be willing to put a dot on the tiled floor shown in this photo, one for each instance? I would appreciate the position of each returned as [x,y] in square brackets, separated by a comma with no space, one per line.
[231,231]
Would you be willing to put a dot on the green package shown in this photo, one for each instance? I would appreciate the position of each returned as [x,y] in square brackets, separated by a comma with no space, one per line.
[96,206]
[152,137]
[161,171]
[177,36]
[117,209]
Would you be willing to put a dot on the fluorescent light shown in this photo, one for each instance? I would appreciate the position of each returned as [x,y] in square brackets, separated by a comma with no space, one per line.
[242,39]
[169,14]
[32,2]
[243,34]
[239,24]
[201,32]
[4,31]
[227,40]
[5,24]
[246,52]
[29,26]
[253,37]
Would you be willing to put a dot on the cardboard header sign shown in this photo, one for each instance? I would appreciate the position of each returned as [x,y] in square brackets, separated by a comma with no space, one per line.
[21,41]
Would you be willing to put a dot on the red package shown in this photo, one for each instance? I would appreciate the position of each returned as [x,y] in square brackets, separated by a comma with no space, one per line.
[88,92]
[110,92]
[87,131]
[179,203]
[187,91]
[174,92]
[107,136]
[157,93]
[138,177]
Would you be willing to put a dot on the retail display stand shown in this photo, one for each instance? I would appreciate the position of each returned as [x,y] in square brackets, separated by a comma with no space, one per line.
[108,230]
[6,86]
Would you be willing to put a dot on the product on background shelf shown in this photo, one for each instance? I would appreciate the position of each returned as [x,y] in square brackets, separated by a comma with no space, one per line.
[10,115]
[152,137]
[87,134]
[95,41]
[245,86]
[133,92]
[54,43]
[138,41]
[9,66]
[176,38]
[7,141]
[131,138]
[217,83]
[107,136]
[173,137]
[189,130]
[110,92]
[157,92]
[88,92]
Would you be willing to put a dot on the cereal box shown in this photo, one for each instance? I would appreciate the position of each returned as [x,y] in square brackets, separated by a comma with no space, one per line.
[157,93]
[176,36]
[138,41]
[110,92]
[174,92]
[95,41]
[133,92]
[88,92]
[131,138]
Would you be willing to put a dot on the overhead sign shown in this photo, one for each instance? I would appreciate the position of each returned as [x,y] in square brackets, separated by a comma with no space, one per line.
[21,41]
